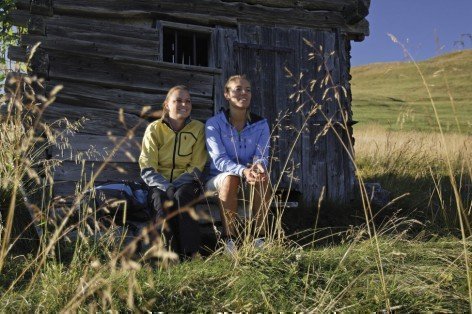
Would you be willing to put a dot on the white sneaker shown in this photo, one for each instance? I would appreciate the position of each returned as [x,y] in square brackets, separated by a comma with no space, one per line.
[230,247]
[259,243]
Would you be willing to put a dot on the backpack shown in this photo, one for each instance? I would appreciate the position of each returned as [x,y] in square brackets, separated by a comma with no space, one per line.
[122,201]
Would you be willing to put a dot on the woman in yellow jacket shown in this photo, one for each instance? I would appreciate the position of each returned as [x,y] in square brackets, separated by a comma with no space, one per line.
[172,159]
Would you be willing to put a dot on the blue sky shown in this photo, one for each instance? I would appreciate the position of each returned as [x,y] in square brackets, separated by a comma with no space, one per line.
[416,23]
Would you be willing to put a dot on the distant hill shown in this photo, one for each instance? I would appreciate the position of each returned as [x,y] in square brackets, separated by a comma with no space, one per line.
[393,94]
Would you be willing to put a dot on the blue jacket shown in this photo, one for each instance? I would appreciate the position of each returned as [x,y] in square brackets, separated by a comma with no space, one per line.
[230,150]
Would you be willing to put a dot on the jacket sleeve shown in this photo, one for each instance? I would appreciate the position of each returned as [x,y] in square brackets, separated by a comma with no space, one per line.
[263,147]
[149,160]
[197,163]
[217,150]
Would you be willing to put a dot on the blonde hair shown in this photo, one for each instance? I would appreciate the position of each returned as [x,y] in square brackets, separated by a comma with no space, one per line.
[165,110]
[234,78]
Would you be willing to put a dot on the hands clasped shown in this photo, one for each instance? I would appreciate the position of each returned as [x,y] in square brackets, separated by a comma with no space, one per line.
[255,173]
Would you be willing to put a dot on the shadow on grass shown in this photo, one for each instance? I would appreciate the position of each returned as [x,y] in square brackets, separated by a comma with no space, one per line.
[432,206]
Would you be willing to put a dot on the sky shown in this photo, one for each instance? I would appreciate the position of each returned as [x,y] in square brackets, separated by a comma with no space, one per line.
[417,24]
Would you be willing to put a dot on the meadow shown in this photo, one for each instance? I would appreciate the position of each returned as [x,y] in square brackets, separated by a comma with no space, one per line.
[393,94]
[415,258]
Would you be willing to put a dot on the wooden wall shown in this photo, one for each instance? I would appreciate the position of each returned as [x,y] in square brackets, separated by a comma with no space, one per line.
[319,159]
[106,55]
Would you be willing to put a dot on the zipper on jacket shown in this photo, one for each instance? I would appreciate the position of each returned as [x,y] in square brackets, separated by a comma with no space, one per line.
[173,156]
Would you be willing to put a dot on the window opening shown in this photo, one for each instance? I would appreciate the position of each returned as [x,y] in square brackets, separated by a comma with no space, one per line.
[185,47]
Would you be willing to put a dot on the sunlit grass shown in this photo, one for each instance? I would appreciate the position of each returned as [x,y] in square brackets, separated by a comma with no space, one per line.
[371,268]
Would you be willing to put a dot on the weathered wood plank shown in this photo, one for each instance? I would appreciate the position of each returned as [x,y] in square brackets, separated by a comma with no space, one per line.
[328,5]
[93,47]
[346,14]
[22,4]
[358,11]
[106,72]
[71,171]
[105,38]
[97,121]
[310,174]
[41,7]
[18,17]
[82,25]
[98,148]
[39,62]
[82,103]
[241,11]
[114,99]
[225,59]
[335,167]
[289,120]
[16,53]
[168,65]
[113,28]
[331,62]
[358,31]
[344,63]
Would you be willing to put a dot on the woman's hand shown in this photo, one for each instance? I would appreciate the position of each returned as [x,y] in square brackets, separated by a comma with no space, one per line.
[255,173]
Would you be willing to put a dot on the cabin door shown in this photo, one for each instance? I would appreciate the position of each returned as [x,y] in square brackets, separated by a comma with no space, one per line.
[264,54]
[281,62]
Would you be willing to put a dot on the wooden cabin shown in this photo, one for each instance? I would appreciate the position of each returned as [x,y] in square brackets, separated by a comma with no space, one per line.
[116,56]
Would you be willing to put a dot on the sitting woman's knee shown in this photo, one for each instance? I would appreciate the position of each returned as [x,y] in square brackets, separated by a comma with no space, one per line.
[230,182]
[229,186]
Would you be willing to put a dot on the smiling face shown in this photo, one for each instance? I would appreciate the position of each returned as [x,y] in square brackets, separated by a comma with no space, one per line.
[179,105]
[238,93]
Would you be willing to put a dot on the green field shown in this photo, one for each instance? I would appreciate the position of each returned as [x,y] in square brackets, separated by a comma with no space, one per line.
[393,94]
[413,255]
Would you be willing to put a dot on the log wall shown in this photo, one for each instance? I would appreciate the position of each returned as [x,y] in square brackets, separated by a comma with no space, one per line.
[106,54]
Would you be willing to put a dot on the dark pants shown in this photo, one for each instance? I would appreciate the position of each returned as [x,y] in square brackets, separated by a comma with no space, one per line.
[181,232]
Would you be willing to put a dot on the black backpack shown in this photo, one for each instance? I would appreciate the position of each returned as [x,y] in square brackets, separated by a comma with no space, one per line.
[122,201]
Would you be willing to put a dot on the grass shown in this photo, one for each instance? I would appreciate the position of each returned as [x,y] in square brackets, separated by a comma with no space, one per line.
[402,264]
[420,275]
[392,94]
[413,164]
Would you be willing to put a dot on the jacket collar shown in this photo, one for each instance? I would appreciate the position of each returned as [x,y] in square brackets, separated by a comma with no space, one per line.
[165,120]
[251,117]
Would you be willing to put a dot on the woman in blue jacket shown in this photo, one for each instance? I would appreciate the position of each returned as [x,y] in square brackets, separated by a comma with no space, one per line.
[238,144]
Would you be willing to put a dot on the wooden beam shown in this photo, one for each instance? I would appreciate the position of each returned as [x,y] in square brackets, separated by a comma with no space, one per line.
[240,11]
[98,148]
[327,5]
[188,27]
[17,54]
[41,7]
[130,101]
[128,76]
[168,65]
[358,12]
[36,25]
[23,4]
[358,31]
[97,48]
[18,18]
[96,121]
[39,63]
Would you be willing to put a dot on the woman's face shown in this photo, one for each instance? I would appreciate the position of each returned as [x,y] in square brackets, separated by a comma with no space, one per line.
[239,93]
[179,105]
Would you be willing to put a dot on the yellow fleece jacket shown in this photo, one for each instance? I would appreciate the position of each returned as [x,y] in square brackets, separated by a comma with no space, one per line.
[172,158]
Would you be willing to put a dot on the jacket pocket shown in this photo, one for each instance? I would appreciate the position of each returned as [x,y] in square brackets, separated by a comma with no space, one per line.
[186,142]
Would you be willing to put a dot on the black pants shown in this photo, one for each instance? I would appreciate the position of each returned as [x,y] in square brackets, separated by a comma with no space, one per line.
[181,232]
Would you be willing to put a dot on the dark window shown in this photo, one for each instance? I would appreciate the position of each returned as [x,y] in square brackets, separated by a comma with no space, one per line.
[185,47]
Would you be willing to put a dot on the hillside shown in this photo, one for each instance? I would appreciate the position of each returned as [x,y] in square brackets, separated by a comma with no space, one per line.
[393,94]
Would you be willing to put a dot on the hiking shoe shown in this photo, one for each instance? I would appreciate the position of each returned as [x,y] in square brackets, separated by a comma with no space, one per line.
[230,247]
[259,243]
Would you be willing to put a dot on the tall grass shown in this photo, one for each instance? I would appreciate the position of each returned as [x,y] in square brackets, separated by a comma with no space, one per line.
[374,267]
